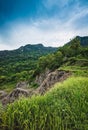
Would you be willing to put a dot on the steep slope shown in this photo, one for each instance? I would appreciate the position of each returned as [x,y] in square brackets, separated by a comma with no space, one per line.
[23,89]
[51,79]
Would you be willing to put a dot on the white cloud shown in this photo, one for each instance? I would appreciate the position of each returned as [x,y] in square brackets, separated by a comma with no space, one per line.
[4,46]
[80,13]
[50,32]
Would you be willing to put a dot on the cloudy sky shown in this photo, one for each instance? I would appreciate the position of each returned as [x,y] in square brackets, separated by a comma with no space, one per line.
[51,22]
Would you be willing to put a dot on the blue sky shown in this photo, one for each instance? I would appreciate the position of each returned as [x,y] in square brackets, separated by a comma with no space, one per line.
[51,22]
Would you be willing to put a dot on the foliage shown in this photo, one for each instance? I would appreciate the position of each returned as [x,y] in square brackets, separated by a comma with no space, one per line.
[76,70]
[18,64]
[72,53]
[64,107]
[28,61]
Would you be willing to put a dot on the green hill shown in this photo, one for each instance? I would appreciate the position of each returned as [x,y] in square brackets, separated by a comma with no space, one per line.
[18,64]
[64,107]
[71,54]
[26,62]
[83,40]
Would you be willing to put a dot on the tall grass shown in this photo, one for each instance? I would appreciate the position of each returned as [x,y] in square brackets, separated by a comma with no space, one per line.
[76,70]
[64,107]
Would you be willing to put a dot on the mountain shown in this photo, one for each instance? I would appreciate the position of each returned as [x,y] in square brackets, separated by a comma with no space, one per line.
[36,47]
[27,49]
[74,53]
[16,64]
[82,40]
[50,103]
[30,60]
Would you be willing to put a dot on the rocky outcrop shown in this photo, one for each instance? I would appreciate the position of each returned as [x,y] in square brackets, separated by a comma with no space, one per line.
[46,81]
[22,84]
[40,78]
[51,79]
[2,94]
[16,94]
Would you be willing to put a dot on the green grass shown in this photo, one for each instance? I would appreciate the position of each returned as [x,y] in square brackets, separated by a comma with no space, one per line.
[64,107]
[8,87]
[76,70]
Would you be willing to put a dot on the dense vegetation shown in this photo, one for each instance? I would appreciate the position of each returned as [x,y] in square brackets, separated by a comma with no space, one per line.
[18,64]
[63,108]
[28,61]
[72,54]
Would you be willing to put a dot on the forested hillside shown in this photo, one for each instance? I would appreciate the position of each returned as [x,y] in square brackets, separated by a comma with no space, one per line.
[17,65]
[49,102]
[73,53]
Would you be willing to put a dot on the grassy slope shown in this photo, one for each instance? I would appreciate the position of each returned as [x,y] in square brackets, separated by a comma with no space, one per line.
[76,70]
[64,107]
[78,66]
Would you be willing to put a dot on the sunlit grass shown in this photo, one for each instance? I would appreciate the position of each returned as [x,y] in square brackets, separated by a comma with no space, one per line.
[64,107]
[76,70]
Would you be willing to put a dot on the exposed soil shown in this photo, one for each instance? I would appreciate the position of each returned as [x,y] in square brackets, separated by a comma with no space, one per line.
[46,81]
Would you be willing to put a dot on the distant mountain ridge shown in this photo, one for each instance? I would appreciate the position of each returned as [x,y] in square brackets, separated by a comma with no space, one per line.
[27,51]
[29,48]
[83,40]
[36,47]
